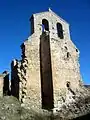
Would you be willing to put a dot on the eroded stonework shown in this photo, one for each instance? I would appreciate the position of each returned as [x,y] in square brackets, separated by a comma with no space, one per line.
[1,84]
[47,79]
[4,84]
[49,70]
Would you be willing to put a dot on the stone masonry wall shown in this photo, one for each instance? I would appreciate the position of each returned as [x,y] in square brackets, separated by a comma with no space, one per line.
[33,85]
[4,84]
[47,79]
[65,69]
[64,72]
[1,85]
[36,69]
[28,73]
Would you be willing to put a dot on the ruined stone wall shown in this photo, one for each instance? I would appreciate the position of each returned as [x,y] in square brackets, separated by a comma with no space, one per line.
[1,85]
[18,78]
[47,70]
[65,68]
[26,74]
[47,79]
[15,79]
[33,81]
[6,88]
[4,84]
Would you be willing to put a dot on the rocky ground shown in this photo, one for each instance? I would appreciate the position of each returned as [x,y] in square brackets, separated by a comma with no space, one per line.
[10,109]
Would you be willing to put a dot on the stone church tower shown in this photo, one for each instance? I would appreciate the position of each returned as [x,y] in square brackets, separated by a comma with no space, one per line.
[48,73]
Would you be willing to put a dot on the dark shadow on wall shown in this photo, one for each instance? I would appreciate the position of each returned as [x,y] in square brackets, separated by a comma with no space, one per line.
[14,80]
[6,90]
[46,72]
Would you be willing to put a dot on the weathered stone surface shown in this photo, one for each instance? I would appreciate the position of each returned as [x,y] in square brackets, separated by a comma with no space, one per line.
[1,85]
[4,84]
[47,79]
[64,63]
[80,107]
[46,57]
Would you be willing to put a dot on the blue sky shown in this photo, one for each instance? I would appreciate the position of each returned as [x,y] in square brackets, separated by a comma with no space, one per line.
[15,27]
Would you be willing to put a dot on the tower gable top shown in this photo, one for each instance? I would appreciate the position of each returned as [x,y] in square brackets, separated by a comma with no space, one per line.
[50,11]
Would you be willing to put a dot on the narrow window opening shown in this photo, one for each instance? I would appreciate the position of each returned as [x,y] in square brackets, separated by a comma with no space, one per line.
[69,88]
[60,30]
[68,54]
[52,27]
[68,84]
[76,50]
[32,25]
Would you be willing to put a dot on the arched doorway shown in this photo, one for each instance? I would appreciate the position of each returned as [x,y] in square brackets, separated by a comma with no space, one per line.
[45,25]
